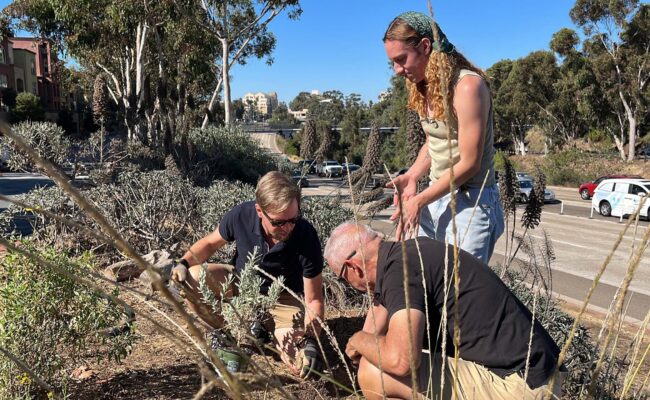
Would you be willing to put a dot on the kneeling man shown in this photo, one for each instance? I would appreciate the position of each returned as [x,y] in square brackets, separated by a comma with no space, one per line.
[495,327]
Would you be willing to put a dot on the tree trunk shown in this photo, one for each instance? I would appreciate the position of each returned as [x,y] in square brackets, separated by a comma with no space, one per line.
[226,82]
[213,101]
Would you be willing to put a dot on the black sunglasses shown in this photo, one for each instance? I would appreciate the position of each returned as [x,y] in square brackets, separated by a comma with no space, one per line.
[282,222]
[339,276]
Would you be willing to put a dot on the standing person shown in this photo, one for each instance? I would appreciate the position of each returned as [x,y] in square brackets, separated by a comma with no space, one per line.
[415,54]
[503,353]
[289,247]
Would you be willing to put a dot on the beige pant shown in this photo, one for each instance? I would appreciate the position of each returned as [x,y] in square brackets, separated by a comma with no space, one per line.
[475,382]
[287,313]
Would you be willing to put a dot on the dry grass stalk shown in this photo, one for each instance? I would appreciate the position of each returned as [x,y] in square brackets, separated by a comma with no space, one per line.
[586,301]
[44,385]
[634,263]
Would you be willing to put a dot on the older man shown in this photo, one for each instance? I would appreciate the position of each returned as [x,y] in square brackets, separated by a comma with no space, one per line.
[289,247]
[495,327]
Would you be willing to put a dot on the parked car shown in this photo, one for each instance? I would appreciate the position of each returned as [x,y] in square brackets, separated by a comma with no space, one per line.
[329,168]
[309,165]
[349,167]
[524,175]
[586,190]
[300,179]
[620,197]
[526,186]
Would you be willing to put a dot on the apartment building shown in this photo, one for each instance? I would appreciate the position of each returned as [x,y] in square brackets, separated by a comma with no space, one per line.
[26,65]
[263,103]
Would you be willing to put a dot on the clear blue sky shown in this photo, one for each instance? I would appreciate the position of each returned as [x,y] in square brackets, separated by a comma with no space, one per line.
[336,44]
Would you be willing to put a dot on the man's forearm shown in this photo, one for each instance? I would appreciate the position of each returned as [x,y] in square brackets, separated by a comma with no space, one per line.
[314,311]
[372,348]
[199,252]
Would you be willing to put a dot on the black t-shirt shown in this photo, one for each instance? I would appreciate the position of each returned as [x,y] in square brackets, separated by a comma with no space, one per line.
[494,325]
[300,256]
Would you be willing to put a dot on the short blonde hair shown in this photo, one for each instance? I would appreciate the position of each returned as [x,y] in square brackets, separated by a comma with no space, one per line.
[275,192]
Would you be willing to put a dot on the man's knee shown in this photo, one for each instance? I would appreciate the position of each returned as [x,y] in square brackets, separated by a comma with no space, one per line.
[369,378]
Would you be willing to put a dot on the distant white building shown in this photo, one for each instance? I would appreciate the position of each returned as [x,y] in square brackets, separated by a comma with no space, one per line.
[300,115]
[263,103]
[383,95]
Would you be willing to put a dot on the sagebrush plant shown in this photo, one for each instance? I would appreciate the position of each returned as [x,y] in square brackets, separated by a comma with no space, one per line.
[48,320]
[248,305]
[226,153]
[47,138]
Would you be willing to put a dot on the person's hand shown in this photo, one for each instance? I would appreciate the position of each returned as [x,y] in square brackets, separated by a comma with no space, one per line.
[407,226]
[405,185]
[352,351]
[311,360]
[179,272]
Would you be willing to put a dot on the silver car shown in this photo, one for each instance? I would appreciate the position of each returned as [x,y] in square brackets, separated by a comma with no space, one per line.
[526,186]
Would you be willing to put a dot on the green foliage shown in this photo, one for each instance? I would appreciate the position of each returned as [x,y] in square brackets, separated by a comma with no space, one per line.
[28,108]
[325,214]
[571,168]
[47,139]
[48,320]
[226,153]
[240,311]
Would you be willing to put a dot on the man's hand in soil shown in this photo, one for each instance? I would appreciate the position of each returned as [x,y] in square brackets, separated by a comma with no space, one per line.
[311,359]
[352,351]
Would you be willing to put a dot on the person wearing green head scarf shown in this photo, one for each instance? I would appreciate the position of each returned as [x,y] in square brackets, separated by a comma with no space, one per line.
[453,100]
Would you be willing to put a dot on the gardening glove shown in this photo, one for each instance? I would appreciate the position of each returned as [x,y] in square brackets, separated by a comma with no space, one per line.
[311,359]
[179,272]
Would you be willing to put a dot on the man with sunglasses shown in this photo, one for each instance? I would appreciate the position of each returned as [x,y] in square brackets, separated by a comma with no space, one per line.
[502,353]
[289,247]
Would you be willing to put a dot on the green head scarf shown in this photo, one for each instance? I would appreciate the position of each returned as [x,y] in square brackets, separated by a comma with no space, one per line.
[423,24]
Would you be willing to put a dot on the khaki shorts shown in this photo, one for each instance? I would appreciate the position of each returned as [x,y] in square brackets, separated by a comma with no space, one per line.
[475,382]
[287,313]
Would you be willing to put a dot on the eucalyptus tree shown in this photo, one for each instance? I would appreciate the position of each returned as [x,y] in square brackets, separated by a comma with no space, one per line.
[523,96]
[150,51]
[241,27]
[617,44]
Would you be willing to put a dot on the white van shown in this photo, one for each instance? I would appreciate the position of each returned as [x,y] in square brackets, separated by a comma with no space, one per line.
[620,197]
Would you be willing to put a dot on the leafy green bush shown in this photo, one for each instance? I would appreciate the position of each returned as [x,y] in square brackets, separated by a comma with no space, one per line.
[46,138]
[226,153]
[48,320]
[28,107]
[571,168]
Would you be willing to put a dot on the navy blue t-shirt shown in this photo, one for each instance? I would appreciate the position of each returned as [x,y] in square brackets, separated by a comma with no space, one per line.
[300,256]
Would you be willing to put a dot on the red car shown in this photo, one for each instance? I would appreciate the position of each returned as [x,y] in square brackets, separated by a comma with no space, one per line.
[586,190]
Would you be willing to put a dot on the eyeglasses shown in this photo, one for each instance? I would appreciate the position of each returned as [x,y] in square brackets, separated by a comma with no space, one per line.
[282,222]
[339,276]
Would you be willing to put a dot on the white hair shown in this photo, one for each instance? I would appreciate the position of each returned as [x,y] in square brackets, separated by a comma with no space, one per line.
[346,238]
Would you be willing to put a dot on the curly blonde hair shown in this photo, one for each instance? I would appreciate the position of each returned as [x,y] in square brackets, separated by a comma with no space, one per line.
[429,91]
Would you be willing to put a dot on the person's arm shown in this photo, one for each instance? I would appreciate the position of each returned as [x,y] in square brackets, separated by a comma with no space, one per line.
[394,347]
[314,305]
[376,320]
[472,106]
[204,248]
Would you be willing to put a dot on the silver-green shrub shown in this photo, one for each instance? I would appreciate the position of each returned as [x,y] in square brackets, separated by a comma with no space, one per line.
[46,138]
[48,320]
[248,305]
[226,153]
